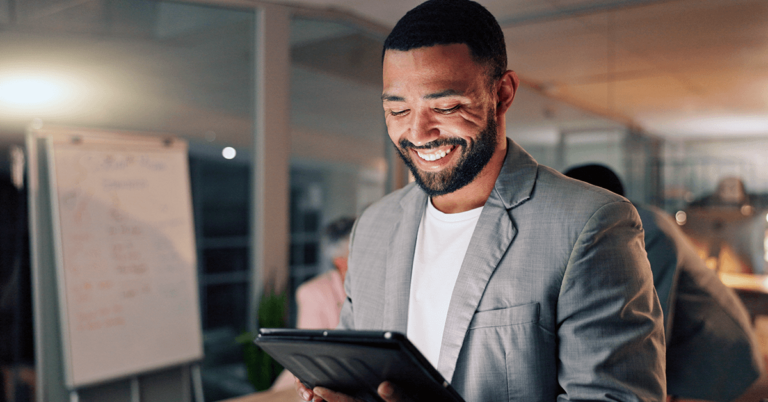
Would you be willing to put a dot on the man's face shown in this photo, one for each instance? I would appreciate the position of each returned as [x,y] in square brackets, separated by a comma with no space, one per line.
[439,111]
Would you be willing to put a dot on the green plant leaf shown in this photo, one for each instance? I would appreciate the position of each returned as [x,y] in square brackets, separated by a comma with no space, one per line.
[262,368]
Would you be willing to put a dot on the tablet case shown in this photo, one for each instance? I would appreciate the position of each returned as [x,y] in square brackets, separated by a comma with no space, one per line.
[356,362]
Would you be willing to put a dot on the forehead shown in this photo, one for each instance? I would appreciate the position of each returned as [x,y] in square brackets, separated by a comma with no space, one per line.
[433,68]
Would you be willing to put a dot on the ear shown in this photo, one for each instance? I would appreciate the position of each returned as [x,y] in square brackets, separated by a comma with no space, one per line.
[341,264]
[506,92]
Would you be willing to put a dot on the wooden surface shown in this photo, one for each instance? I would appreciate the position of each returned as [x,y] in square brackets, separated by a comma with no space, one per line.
[286,395]
[752,290]
[750,282]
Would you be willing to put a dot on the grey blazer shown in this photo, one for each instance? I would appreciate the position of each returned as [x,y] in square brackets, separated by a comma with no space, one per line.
[554,300]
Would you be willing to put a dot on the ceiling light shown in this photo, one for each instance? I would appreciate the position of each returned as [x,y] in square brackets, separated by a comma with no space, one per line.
[29,91]
[228,153]
[681,218]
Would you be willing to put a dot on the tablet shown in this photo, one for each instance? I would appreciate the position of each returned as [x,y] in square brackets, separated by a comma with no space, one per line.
[356,362]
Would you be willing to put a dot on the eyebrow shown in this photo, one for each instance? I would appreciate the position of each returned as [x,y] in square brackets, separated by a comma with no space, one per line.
[391,98]
[442,94]
[437,95]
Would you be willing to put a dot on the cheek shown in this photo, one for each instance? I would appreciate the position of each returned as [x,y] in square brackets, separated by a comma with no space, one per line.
[394,138]
[395,129]
[477,117]
[463,125]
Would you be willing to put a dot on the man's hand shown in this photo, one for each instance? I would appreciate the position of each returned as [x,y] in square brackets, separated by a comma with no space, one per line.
[387,391]
[304,392]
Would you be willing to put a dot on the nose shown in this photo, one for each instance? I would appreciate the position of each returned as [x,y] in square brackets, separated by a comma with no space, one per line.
[423,128]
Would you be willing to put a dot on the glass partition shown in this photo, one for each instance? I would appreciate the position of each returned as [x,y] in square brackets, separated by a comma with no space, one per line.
[338,135]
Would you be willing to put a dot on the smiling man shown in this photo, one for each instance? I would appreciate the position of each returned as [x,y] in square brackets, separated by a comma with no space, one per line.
[515,282]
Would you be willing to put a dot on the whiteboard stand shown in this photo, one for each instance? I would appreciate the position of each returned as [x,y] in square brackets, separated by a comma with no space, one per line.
[135,390]
[197,383]
[135,385]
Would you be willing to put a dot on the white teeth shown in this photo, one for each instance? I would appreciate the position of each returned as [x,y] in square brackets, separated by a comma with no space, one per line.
[435,156]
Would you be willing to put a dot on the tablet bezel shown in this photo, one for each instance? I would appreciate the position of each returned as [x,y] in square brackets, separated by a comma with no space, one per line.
[395,357]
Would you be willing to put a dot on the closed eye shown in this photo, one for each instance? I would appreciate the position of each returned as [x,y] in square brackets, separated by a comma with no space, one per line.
[398,112]
[447,111]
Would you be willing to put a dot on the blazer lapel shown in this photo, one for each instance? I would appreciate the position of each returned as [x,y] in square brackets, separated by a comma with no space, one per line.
[493,235]
[402,245]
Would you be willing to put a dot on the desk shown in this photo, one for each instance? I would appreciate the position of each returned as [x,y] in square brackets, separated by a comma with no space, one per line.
[748,282]
[752,290]
[286,395]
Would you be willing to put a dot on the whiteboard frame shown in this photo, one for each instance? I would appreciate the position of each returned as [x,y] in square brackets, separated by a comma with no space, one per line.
[58,255]
[49,386]
[124,141]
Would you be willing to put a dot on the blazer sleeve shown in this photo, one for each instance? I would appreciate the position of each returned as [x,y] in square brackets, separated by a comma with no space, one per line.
[346,319]
[609,320]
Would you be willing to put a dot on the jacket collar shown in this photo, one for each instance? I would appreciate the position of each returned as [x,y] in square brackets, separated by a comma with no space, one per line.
[401,249]
[517,177]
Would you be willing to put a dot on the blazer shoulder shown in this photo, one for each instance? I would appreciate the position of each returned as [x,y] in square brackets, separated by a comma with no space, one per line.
[556,181]
[553,191]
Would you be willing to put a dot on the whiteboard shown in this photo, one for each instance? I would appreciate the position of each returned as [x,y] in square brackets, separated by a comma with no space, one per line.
[125,254]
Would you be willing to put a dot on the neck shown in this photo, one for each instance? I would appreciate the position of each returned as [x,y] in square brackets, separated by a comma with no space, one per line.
[475,194]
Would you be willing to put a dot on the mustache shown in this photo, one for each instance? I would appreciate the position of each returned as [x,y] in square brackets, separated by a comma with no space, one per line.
[440,142]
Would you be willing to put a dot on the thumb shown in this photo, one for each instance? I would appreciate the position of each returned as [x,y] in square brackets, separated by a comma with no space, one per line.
[390,393]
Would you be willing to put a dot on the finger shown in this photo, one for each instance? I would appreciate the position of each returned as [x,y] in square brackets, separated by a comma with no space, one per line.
[390,393]
[331,396]
[304,392]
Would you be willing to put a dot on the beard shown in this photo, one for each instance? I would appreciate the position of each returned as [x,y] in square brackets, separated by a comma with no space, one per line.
[473,159]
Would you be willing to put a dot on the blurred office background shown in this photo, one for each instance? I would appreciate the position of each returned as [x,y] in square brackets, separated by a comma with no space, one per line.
[280,102]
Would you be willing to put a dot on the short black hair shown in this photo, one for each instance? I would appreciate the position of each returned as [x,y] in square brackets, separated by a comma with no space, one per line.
[335,236]
[446,22]
[340,228]
[598,175]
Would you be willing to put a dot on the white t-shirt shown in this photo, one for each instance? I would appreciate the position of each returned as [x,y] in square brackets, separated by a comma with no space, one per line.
[441,244]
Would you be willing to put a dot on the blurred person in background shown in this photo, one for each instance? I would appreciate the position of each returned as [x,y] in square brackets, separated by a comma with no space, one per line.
[728,228]
[712,352]
[320,299]
[730,192]
[16,330]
